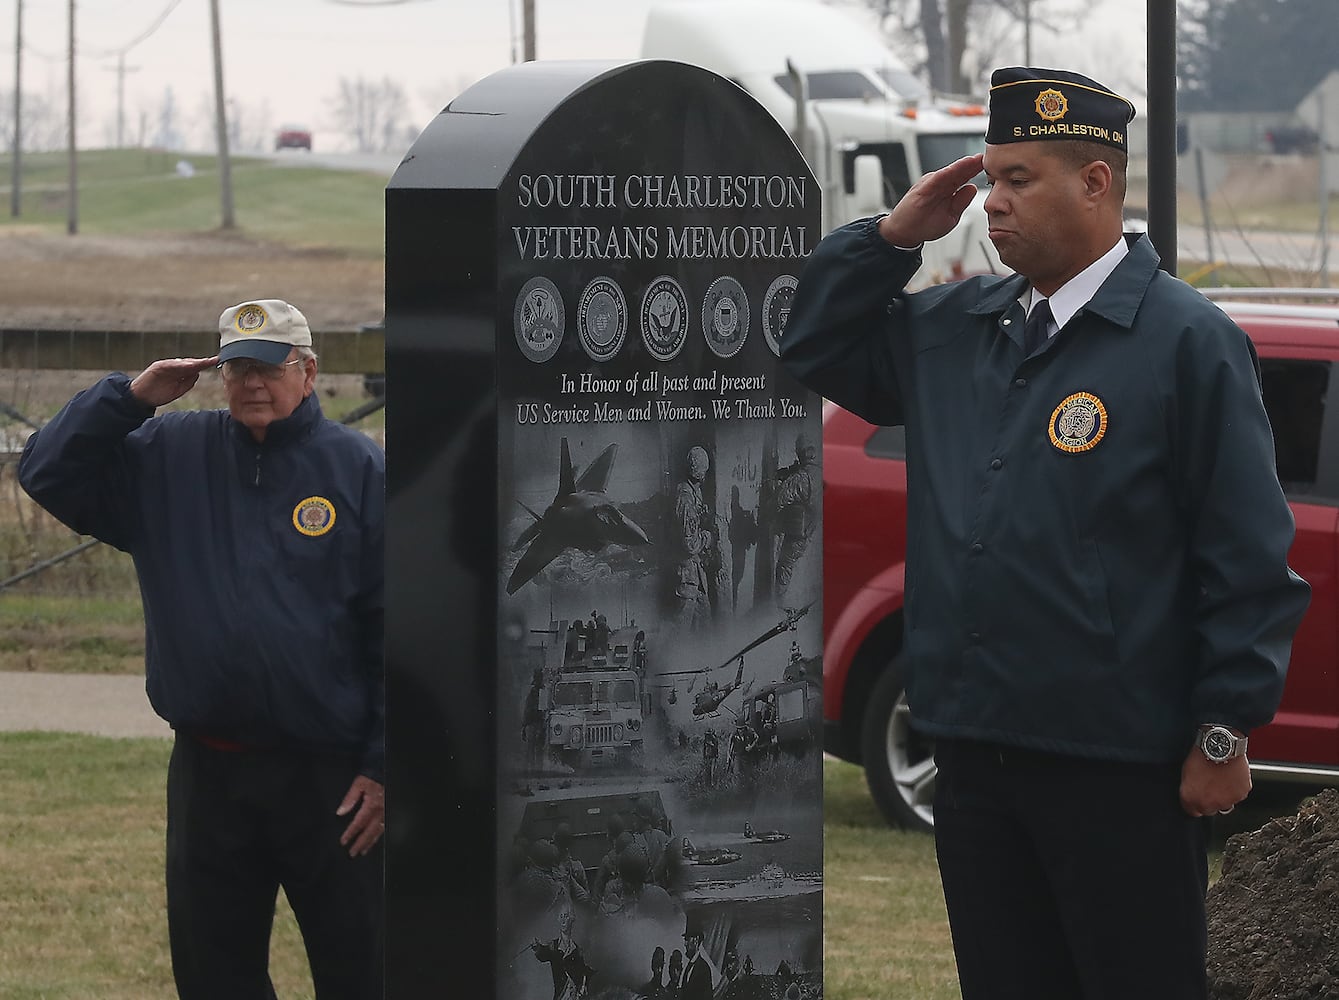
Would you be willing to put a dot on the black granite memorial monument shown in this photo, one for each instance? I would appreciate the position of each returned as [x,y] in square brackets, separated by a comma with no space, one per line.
[604,552]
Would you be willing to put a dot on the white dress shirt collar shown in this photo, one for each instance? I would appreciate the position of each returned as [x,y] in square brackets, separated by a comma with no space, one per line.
[1075,293]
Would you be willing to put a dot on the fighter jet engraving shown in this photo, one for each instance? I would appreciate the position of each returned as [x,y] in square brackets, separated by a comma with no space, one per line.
[581,516]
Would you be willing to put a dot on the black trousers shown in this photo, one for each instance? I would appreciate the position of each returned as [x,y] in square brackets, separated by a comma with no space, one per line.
[240,825]
[1069,879]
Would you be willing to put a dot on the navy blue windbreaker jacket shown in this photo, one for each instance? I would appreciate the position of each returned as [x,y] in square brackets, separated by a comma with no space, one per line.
[1096,537]
[260,564]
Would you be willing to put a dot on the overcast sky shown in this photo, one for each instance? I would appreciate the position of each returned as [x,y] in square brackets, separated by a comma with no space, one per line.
[283,58]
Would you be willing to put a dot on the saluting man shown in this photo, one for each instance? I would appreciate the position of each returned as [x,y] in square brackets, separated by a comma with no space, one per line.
[257,536]
[1099,605]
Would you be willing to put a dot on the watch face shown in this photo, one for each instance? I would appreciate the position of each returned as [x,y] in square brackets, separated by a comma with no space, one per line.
[1218,744]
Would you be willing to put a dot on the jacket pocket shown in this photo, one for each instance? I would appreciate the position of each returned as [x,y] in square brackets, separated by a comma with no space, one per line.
[1097,594]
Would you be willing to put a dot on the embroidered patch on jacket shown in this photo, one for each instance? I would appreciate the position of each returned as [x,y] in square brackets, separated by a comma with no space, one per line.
[1078,423]
[314,516]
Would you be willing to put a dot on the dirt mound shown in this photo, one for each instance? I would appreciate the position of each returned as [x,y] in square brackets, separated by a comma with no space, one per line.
[1274,913]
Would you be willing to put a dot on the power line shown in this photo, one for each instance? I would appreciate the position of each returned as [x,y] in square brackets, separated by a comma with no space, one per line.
[100,53]
[157,23]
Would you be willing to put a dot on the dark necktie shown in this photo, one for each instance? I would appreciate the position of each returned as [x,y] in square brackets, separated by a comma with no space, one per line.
[1035,332]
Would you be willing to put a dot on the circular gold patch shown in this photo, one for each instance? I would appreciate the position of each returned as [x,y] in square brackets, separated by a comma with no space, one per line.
[250,319]
[1078,423]
[314,516]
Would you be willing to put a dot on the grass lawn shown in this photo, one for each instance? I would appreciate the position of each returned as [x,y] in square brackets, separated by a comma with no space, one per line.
[75,634]
[885,929]
[137,191]
[82,899]
[82,903]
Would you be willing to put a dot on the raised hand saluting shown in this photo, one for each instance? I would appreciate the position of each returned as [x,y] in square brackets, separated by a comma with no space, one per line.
[169,379]
[933,205]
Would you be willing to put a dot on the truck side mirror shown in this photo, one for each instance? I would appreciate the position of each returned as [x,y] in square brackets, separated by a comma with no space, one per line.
[867,198]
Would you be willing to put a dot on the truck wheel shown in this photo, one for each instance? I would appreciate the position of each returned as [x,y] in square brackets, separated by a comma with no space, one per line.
[899,763]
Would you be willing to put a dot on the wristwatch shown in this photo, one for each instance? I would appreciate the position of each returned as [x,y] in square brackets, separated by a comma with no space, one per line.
[1219,744]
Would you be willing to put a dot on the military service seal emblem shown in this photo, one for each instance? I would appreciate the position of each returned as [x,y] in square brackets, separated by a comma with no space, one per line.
[538,319]
[664,318]
[314,516]
[1078,423]
[725,317]
[250,319]
[1052,105]
[776,310]
[602,319]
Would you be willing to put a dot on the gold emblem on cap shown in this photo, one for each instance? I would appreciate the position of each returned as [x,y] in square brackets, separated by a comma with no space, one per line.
[1078,423]
[1052,105]
[250,319]
[314,516]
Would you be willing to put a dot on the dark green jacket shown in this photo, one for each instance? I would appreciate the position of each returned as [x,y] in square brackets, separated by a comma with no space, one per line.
[1097,539]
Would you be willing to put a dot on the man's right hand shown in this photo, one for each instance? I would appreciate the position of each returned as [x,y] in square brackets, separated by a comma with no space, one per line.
[933,206]
[169,379]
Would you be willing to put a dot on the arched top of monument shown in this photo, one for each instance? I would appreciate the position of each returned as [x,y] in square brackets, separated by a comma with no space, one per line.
[476,139]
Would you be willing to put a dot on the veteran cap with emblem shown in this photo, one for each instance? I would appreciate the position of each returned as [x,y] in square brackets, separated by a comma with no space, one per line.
[1029,104]
[264,329]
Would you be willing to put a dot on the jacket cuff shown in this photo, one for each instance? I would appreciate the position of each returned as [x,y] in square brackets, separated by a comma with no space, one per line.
[374,765]
[870,230]
[120,383]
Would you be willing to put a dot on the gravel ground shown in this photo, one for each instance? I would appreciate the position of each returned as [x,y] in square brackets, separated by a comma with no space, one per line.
[78,703]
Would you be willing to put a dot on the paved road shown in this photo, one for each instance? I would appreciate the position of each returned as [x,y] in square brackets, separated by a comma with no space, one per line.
[371,163]
[1259,248]
[78,703]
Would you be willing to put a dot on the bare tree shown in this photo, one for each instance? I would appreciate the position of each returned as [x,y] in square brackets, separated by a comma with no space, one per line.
[168,133]
[955,42]
[43,122]
[371,112]
[250,126]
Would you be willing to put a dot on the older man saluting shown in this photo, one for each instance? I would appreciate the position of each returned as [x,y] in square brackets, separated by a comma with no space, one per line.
[256,533]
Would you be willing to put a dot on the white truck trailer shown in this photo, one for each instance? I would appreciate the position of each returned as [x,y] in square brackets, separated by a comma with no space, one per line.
[866,125]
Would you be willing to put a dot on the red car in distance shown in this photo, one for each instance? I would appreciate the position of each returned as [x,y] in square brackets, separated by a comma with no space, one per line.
[293,137]
[866,719]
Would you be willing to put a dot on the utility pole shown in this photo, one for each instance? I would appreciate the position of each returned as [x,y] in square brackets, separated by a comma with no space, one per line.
[72,221]
[511,28]
[225,167]
[121,69]
[1323,149]
[1161,75]
[528,27]
[1027,32]
[15,192]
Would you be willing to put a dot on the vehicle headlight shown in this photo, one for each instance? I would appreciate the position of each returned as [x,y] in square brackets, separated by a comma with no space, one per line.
[618,733]
[574,736]
[557,729]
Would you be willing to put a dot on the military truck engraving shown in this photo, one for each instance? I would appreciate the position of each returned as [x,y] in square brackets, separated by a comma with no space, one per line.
[597,704]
